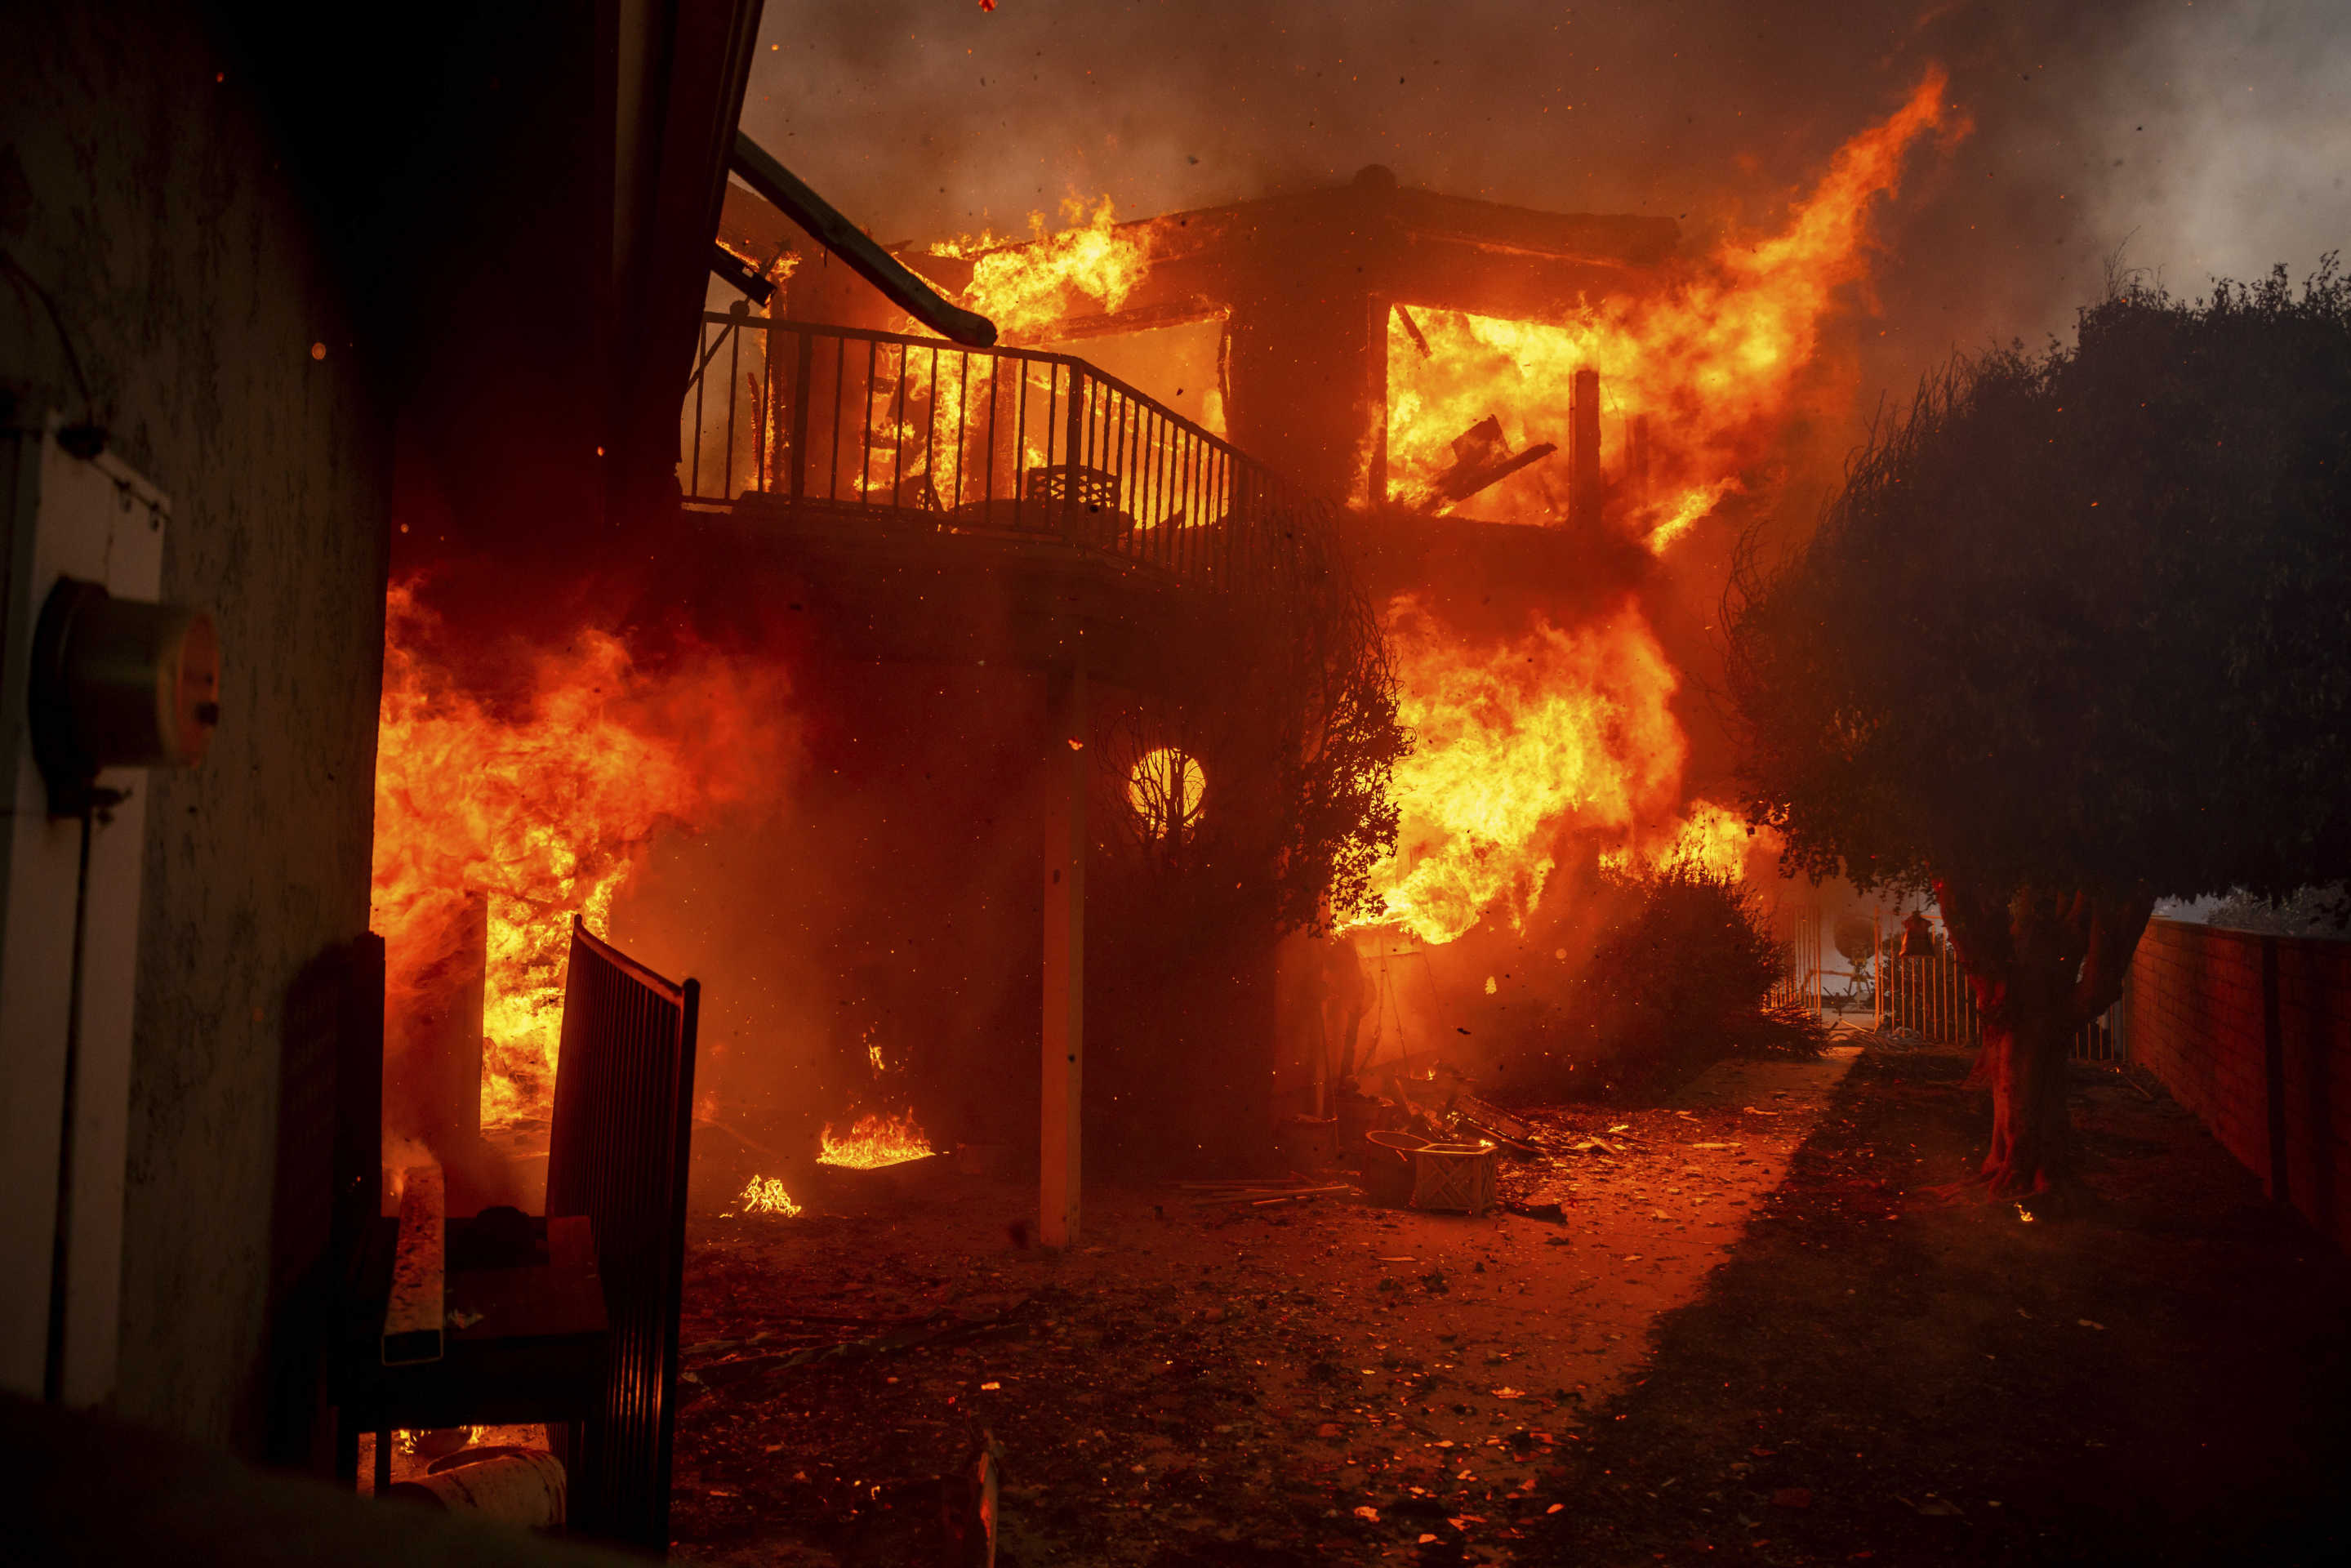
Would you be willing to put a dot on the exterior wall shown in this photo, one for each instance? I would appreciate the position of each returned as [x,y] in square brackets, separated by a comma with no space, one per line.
[2201,1019]
[143,194]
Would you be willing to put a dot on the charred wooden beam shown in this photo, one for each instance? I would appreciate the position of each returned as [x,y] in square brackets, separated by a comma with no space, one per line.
[1583,491]
[1412,330]
[730,268]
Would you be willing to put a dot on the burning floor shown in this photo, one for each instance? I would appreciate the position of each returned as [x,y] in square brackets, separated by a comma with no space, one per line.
[1205,1380]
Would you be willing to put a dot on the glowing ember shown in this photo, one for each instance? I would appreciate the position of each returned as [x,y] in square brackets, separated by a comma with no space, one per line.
[542,803]
[876,1141]
[1519,743]
[1023,287]
[764,1195]
[1711,365]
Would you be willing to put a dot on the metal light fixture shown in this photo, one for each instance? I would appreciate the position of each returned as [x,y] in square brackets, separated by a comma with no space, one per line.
[117,682]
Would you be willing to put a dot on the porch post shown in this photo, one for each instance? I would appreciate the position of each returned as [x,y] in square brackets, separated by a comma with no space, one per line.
[1065,952]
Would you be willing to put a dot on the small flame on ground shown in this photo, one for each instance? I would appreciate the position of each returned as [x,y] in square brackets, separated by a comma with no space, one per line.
[405,1440]
[875,1142]
[764,1195]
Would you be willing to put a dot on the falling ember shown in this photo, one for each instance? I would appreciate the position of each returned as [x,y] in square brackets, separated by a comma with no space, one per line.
[1708,367]
[1517,744]
[1023,285]
[764,1195]
[541,803]
[876,1141]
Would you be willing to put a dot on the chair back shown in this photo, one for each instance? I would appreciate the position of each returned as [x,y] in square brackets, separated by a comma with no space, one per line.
[617,1152]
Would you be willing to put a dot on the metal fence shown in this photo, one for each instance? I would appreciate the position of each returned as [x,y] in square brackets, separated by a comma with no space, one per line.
[1797,928]
[618,1150]
[881,426]
[1931,996]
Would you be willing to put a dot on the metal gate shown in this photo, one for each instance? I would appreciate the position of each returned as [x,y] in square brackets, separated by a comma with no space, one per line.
[1932,997]
[617,1152]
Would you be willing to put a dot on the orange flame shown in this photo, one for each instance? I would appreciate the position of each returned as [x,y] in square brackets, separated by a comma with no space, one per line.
[1709,838]
[543,805]
[1708,365]
[764,1195]
[1517,743]
[1023,285]
[876,1141]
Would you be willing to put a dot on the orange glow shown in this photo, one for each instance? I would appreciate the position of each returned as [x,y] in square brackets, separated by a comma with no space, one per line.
[1709,838]
[764,1195]
[1709,365]
[1025,286]
[1168,790]
[876,1141]
[1517,743]
[543,802]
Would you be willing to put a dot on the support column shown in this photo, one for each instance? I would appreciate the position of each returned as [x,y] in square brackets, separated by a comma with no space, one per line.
[1065,953]
[1583,483]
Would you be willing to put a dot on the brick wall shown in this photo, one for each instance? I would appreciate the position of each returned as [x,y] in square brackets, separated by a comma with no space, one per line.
[2254,1034]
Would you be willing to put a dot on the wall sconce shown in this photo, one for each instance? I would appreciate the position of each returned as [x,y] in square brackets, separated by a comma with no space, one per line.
[117,682]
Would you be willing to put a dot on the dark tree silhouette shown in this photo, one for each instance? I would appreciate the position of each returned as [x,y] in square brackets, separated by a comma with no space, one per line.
[2076,634]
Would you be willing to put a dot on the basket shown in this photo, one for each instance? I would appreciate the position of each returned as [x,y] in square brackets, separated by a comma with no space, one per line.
[1388,1172]
[1453,1177]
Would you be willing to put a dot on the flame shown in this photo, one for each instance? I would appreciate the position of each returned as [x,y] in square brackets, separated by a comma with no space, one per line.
[542,803]
[764,1195]
[1023,287]
[1708,367]
[1517,743]
[1709,839]
[876,1141]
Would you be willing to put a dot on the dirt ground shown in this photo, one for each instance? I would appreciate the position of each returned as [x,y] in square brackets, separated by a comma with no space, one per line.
[1754,1336]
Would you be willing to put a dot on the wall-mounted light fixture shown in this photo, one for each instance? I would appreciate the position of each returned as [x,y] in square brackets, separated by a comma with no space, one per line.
[117,682]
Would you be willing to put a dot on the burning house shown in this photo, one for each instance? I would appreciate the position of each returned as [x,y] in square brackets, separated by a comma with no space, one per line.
[1381,459]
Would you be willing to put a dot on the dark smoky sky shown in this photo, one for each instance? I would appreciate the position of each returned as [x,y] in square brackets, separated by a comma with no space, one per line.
[2201,139]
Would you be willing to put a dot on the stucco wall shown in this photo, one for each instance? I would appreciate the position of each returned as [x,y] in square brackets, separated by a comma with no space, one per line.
[144,195]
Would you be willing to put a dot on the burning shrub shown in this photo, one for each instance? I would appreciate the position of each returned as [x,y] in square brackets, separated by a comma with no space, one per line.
[1681,978]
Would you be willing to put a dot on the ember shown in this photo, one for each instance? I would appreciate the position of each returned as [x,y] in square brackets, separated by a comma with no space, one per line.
[876,1141]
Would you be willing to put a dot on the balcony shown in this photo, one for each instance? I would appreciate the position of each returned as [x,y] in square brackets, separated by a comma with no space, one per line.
[877,454]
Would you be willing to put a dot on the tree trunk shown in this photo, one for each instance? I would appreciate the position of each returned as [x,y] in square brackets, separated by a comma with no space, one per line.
[2042,966]
[2032,1136]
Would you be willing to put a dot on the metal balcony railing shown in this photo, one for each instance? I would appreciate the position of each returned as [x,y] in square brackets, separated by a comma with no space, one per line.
[882,429]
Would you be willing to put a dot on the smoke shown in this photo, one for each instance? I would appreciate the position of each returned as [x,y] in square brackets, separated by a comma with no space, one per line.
[2208,136]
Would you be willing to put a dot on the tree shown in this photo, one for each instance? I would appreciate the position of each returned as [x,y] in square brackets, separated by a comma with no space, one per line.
[2075,634]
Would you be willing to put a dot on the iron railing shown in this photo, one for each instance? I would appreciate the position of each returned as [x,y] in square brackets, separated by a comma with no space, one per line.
[882,428]
[1931,996]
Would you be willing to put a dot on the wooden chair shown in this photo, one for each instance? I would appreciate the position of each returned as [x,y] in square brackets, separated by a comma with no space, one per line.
[617,1149]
